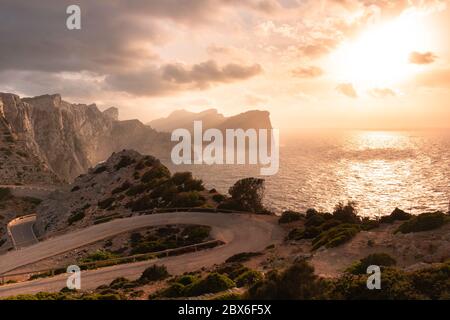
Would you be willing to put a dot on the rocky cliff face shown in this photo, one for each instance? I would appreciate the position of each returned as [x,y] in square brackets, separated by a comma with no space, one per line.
[70,138]
[20,160]
[56,141]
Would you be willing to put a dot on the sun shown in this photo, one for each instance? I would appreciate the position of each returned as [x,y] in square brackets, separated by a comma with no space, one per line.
[380,56]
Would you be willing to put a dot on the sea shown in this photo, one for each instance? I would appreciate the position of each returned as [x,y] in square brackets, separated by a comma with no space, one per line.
[379,170]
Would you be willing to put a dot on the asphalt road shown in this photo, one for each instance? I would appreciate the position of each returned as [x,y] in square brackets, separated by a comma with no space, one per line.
[22,232]
[241,233]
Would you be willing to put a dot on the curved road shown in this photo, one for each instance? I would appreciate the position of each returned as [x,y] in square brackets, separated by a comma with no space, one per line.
[241,233]
[21,231]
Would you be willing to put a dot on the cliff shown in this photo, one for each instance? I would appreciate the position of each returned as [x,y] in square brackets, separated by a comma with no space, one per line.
[57,140]
[70,138]
[212,119]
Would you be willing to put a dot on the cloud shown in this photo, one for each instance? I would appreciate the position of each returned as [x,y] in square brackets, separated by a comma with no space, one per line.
[347,89]
[318,46]
[35,83]
[422,58]
[307,72]
[170,78]
[438,78]
[254,99]
[114,35]
[382,93]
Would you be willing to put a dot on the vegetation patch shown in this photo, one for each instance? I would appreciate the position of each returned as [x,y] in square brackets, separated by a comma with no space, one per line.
[424,222]
[290,216]
[154,273]
[76,216]
[396,215]
[336,236]
[298,282]
[212,283]
[248,278]
[431,283]
[377,259]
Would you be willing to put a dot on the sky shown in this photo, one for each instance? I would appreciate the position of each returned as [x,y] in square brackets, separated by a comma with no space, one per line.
[367,64]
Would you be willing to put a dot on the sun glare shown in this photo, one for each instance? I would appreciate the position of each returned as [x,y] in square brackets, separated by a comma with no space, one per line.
[380,56]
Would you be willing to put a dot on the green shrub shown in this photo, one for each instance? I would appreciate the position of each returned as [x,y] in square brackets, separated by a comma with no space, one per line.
[121,283]
[76,216]
[296,234]
[248,193]
[248,278]
[232,270]
[377,259]
[304,233]
[186,279]
[186,182]
[173,291]
[336,236]
[157,172]
[144,203]
[298,282]
[314,220]
[396,215]
[290,216]
[187,199]
[195,234]
[430,283]
[369,224]
[99,255]
[346,213]
[218,198]
[213,283]
[424,222]
[154,273]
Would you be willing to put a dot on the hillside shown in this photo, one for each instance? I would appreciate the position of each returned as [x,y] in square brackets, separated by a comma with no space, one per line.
[125,184]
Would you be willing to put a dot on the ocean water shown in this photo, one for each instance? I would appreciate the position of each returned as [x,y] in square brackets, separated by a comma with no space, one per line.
[379,170]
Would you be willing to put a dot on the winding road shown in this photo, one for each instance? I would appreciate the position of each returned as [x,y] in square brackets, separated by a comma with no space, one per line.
[240,232]
[21,231]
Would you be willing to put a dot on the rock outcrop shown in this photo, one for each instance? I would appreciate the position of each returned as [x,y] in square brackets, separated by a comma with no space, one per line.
[20,160]
[212,119]
[69,138]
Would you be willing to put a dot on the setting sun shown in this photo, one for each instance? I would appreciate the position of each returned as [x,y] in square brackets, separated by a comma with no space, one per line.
[379,57]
